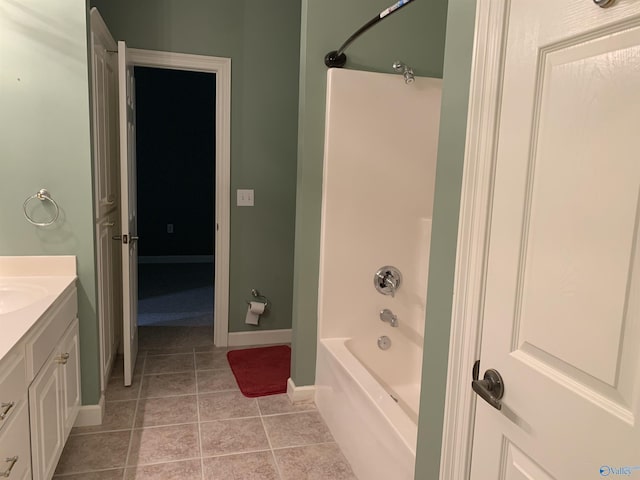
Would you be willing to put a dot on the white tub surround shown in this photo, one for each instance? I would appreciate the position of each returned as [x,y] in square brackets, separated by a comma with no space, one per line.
[379,176]
[39,362]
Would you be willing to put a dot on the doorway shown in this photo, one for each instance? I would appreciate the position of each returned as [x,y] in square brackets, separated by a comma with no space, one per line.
[205,198]
[175,162]
[116,216]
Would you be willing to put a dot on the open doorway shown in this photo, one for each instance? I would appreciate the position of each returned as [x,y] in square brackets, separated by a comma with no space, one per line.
[220,70]
[175,144]
[116,217]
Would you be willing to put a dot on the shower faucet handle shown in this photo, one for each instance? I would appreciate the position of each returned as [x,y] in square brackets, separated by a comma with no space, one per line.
[387,280]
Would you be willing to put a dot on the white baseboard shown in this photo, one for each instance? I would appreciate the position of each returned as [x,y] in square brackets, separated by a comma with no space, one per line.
[259,337]
[90,415]
[300,394]
[175,259]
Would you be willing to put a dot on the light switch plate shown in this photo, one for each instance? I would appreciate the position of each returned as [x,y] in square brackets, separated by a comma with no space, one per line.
[245,198]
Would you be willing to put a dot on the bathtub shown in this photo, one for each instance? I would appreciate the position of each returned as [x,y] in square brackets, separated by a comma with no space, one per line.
[369,399]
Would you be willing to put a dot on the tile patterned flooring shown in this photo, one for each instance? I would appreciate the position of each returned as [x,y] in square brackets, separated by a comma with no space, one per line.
[185,418]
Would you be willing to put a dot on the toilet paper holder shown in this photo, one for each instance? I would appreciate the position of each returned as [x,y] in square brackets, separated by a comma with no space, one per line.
[259,297]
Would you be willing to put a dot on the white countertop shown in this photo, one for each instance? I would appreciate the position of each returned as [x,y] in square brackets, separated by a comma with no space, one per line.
[51,276]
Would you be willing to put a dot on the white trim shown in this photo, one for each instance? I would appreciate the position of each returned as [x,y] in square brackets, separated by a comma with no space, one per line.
[100,29]
[473,229]
[175,259]
[222,68]
[304,394]
[90,415]
[259,337]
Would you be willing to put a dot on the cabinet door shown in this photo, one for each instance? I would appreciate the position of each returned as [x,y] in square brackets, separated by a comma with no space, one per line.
[45,406]
[70,369]
[15,453]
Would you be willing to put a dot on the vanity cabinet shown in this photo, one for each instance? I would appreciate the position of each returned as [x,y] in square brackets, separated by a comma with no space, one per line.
[14,418]
[40,393]
[54,392]
[14,446]
[54,400]
[46,420]
[70,367]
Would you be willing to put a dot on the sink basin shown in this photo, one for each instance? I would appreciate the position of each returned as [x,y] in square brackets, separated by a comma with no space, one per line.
[16,296]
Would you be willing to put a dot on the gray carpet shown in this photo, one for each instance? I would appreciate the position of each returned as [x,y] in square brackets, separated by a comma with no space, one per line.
[175,294]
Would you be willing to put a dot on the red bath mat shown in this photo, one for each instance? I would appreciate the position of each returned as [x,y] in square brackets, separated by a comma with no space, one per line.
[261,371]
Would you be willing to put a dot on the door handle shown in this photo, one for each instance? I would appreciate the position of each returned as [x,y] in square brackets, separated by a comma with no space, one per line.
[490,388]
[125,238]
[12,463]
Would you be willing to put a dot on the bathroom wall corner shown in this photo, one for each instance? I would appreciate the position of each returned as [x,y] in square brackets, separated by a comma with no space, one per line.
[453,125]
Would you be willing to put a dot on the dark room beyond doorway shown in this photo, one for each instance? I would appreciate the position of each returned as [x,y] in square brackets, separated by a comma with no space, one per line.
[175,116]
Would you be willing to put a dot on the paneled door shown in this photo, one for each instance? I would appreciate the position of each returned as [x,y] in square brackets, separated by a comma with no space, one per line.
[126,107]
[106,189]
[561,315]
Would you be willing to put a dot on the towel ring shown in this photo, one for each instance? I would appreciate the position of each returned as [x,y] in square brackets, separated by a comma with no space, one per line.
[42,195]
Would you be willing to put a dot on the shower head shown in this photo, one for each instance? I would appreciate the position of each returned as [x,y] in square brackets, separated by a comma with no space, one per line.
[406,70]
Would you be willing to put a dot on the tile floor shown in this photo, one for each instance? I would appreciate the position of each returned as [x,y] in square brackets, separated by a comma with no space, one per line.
[185,418]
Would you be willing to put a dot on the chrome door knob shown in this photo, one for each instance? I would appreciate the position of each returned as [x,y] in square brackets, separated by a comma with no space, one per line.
[490,388]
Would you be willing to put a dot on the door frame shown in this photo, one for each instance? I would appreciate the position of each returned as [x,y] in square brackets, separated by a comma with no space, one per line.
[221,66]
[476,197]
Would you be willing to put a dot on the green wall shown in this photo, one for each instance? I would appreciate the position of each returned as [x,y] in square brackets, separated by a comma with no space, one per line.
[262,38]
[418,39]
[414,35]
[45,143]
[453,128]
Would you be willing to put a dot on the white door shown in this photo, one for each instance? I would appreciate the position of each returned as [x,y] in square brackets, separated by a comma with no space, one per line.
[561,318]
[126,93]
[106,301]
[106,183]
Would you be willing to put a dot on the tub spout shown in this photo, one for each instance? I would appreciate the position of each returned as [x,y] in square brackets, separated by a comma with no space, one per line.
[387,315]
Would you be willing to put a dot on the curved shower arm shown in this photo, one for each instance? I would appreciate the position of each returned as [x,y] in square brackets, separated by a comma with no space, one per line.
[337,58]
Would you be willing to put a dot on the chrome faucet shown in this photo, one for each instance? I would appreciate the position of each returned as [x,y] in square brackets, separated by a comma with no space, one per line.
[387,315]
[406,70]
[387,280]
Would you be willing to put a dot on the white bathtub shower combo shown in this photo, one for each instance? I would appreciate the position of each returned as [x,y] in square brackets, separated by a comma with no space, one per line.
[379,173]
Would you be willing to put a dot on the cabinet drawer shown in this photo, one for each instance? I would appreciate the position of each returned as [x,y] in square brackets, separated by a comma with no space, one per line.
[14,442]
[13,387]
[42,343]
